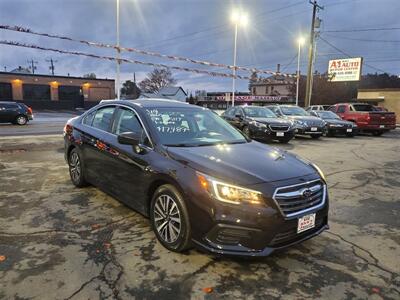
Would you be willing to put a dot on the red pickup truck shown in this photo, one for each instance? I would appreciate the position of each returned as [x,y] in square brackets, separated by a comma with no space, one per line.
[366,116]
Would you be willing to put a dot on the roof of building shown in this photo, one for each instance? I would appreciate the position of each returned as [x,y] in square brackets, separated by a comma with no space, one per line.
[54,76]
[170,90]
[152,103]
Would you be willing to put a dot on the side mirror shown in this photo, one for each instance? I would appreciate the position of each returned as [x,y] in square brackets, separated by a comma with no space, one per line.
[129,138]
[238,116]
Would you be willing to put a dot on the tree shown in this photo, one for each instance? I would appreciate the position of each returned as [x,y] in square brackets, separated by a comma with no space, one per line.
[156,80]
[130,90]
[90,75]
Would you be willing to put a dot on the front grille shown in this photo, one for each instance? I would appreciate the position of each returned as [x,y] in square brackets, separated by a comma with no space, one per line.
[296,199]
[278,127]
[291,235]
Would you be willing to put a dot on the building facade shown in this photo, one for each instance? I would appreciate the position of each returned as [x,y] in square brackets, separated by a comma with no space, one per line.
[279,86]
[386,98]
[47,91]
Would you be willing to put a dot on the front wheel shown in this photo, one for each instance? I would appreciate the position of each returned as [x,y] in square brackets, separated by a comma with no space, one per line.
[21,120]
[76,169]
[170,219]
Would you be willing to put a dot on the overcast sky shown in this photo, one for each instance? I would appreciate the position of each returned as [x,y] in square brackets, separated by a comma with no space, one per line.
[201,29]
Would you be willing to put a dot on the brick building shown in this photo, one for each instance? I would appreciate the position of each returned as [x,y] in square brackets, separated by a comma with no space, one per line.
[54,92]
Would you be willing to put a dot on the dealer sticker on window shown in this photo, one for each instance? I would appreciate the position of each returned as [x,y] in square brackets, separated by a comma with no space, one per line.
[306,222]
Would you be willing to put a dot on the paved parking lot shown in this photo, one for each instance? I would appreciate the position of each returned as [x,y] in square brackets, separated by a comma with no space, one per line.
[60,242]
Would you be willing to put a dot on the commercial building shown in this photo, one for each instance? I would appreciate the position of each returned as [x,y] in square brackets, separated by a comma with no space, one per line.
[54,92]
[386,98]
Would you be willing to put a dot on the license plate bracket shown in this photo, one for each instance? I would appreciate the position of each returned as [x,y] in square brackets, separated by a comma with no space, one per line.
[305,223]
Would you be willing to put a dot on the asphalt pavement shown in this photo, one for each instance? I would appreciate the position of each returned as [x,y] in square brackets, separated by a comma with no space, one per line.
[61,242]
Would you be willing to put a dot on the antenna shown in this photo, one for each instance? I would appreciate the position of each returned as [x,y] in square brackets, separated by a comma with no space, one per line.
[32,66]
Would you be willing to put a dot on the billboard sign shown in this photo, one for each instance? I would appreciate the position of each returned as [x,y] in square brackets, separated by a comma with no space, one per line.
[345,69]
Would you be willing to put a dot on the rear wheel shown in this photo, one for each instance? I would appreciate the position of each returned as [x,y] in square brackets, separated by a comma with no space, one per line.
[377,133]
[169,218]
[76,169]
[21,120]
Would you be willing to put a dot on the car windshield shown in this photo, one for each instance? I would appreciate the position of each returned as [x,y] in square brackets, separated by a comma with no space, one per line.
[294,111]
[190,127]
[258,112]
[328,115]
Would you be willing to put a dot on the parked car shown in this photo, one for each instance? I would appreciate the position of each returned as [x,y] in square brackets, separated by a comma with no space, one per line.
[318,107]
[335,125]
[200,180]
[367,118]
[259,123]
[16,113]
[304,123]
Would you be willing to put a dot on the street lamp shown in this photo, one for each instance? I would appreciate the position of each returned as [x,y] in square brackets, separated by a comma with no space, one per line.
[300,41]
[238,18]
[118,53]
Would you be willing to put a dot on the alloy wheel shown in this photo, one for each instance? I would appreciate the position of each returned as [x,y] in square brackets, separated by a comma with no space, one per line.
[167,218]
[21,120]
[75,167]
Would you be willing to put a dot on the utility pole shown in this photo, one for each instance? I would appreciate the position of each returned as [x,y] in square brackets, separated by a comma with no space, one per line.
[311,53]
[51,68]
[32,66]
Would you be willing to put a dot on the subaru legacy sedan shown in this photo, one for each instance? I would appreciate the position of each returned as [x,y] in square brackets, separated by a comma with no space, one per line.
[200,181]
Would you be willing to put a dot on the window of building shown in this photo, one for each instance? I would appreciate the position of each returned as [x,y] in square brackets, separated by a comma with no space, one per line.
[69,93]
[36,91]
[103,117]
[5,91]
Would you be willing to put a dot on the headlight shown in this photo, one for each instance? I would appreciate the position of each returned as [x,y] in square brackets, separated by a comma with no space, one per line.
[227,192]
[319,171]
[257,124]
[301,123]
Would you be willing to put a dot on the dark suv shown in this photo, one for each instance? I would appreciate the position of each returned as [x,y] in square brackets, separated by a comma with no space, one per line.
[200,180]
[16,113]
[259,123]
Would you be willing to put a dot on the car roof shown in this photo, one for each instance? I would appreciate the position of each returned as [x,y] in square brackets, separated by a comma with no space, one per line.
[150,103]
[9,102]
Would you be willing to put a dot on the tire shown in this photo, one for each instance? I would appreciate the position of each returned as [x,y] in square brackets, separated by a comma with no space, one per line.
[21,120]
[377,133]
[315,136]
[246,131]
[170,219]
[76,170]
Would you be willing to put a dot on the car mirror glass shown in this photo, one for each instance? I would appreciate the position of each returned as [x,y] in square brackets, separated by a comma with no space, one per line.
[129,138]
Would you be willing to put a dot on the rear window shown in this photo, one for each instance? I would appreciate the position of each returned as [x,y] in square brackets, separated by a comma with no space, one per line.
[103,117]
[363,107]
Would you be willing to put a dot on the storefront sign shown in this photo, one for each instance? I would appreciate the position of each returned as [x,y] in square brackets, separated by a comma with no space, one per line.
[251,98]
[345,69]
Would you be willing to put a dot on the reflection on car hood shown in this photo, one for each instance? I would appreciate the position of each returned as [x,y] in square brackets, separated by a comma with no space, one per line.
[338,121]
[271,121]
[309,119]
[242,164]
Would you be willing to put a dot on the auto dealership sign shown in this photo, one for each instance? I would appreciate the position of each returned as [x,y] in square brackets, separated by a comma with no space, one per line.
[345,69]
[251,98]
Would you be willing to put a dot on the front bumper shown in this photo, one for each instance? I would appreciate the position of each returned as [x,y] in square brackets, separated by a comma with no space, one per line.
[375,127]
[244,230]
[267,134]
[310,130]
[341,130]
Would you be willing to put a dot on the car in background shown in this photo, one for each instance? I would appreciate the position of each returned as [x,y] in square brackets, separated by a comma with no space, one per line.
[199,180]
[15,113]
[304,123]
[318,107]
[367,118]
[259,123]
[335,125]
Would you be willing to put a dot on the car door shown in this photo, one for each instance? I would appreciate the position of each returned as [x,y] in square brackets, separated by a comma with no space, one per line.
[129,177]
[3,113]
[98,152]
[8,112]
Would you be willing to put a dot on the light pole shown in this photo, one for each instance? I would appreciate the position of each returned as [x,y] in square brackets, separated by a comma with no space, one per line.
[300,42]
[238,18]
[118,53]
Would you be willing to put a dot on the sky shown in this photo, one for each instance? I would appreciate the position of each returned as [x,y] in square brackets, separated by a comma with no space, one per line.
[202,30]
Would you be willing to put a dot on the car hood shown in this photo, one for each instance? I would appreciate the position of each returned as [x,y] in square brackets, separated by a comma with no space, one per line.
[271,121]
[338,121]
[308,119]
[243,164]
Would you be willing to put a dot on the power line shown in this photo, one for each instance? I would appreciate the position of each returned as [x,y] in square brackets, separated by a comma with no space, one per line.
[365,29]
[362,40]
[348,55]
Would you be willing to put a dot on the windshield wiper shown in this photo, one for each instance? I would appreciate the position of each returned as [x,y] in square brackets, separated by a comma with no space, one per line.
[180,145]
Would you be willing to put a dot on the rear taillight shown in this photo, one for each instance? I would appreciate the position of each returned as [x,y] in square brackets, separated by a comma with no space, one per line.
[30,110]
[68,129]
